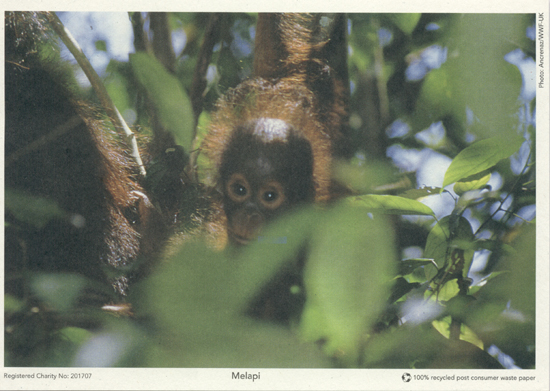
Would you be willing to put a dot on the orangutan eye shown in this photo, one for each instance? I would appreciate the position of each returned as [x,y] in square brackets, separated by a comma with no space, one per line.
[272,195]
[238,188]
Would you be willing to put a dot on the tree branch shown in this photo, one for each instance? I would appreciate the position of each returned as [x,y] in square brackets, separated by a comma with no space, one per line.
[112,112]
[211,36]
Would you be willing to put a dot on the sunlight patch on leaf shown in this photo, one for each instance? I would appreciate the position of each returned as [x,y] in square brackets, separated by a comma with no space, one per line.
[473,182]
[466,334]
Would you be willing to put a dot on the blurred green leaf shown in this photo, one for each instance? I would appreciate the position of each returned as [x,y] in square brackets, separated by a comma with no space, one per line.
[406,22]
[423,347]
[188,289]
[483,282]
[75,335]
[437,98]
[101,45]
[200,297]
[481,156]
[405,347]
[37,211]
[60,290]
[476,76]
[479,76]
[347,279]
[390,204]
[280,243]
[504,313]
[203,282]
[361,177]
[229,343]
[459,305]
[12,304]
[493,245]
[118,89]
[171,101]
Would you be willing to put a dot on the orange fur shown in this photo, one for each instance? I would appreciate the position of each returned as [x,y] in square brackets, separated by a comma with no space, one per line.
[259,98]
[295,82]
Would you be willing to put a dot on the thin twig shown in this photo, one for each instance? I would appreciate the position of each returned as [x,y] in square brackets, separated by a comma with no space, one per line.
[112,112]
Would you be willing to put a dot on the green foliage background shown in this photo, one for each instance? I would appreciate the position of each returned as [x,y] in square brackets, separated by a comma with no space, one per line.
[363,295]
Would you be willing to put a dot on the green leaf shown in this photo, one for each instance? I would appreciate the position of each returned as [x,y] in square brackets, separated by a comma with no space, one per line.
[60,290]
[172,104]
[424,347]
[480,77]
[191,281]
[439,242]
[203,283]
[118,89]
[400,288]
[476,76]
[37,211]
[75,335]
[473,182]
[231,343]
[359,176]
[419,193]
[484,244]
[280,243]
[459,305]
[101,45]
[390,204]
[200,297]
[466,334]
[494,245]
[481,156]
[448,291]
[12,304]
[519,285]
[483,282]
[409,265]
[406,22]
[347,279]
[436,100]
